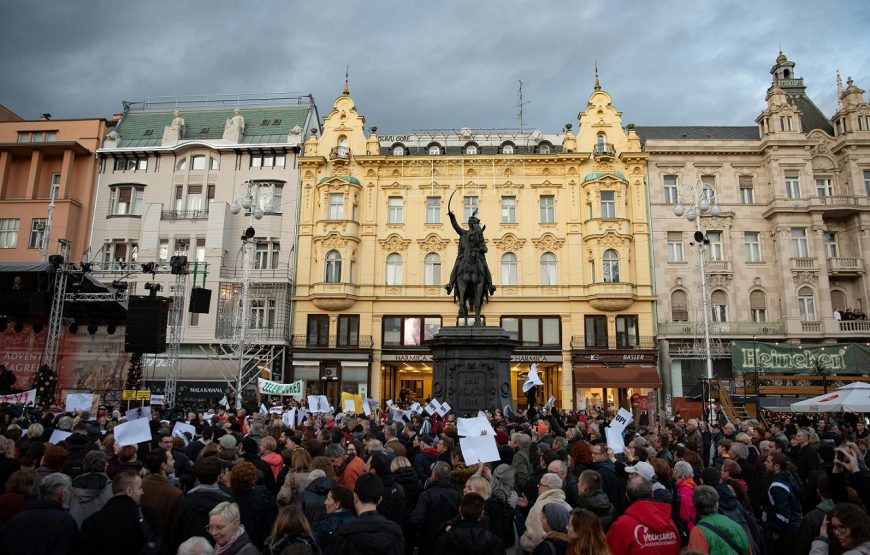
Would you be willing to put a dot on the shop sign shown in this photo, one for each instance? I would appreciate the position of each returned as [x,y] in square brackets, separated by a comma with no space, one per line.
[536,358]
[136,395]
[788,358]
[424,357]
[615,357]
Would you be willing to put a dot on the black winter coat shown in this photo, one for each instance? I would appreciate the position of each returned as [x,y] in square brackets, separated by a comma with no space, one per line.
[266,470]
[43,527]
[369,534]
[436,505]
[258,511]
[312,499]
[116,528]
[392,504]
[191,517]
[469,538]
[407,478]
[599,503]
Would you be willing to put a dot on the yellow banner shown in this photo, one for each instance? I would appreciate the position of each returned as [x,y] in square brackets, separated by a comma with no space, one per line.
[143,395]
[128,395]
[357,403]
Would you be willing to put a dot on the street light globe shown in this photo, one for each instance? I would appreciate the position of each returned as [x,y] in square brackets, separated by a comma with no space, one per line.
[691,215]
[715,210]
[246,202]
[704,204]
[235,208]
[679,210]
[258,214]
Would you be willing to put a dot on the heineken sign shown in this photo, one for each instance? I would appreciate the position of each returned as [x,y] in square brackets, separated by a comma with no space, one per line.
[275,388]
[790,358]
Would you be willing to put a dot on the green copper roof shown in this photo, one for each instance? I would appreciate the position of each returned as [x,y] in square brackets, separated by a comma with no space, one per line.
[594,176]
[348,178]
[262,125]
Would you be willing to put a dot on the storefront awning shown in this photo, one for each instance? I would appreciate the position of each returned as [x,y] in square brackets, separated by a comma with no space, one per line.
[780,404]
[626,376]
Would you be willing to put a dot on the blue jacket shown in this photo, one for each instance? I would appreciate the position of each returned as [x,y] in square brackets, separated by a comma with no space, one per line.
[783,514]
[328,526]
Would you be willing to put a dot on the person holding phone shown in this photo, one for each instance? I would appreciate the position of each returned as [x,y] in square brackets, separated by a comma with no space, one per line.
[848,526]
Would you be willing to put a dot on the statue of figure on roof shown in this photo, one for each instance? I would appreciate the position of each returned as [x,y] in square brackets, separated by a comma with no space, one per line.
[235,126]
[177,121]
[173,131]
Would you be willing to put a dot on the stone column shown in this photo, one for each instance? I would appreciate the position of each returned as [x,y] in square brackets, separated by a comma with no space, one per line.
[66,173]
[33,175]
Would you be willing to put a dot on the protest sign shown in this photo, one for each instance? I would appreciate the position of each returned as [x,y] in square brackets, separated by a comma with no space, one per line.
[79,402]
[289,418]
[57,436]
[263,409]
[24,397]
[470,427]
[276,410]
[137,413]
[550,403]
[356,400]
[622,419]
[443,409]
[133,432]
[429,408]
[477,449]
[318,403]
[349,406]
[614,439]
[367,407]
[416,408]
[180,429]
[275,388]
[158,400]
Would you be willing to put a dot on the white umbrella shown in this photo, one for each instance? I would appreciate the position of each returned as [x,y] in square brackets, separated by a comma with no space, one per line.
[854,397]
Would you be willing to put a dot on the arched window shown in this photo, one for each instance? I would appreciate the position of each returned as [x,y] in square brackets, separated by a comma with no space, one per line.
[544,148]
[807,305]
[758,306]
[434,149]
[333,267]
[181,165]
[471,149]
[432,269]
[719,306]
[601,143]
[838,300]
[394,269]
[507,148]
[197,162]
[679,306]
[398,150]
[611,266]
[509,274]
[548,269]
[343,151]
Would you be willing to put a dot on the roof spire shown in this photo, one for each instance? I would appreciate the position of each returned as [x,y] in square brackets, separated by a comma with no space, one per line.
[346,91]
[839,85]
[597,84]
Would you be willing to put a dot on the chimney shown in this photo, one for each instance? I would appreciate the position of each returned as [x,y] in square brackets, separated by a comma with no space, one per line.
[45,117]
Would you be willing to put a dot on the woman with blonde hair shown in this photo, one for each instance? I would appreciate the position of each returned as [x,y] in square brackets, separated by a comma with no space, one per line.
[585,534]
[225,526]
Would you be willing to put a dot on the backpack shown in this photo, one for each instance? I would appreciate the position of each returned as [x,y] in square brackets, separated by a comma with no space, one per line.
[682,525]
[750,525]
[501,521]
[75,459]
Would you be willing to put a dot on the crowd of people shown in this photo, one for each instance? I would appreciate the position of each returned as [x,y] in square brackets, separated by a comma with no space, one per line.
[390,484]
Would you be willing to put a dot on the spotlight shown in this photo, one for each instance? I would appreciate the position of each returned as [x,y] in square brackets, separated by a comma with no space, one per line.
[86,267]
[249,233]
[111,327]
[92,328]
[119,285]
[149,268]
[19,326]
[153,287]
[178,264]
[74,328]
[699,236]
[55,260]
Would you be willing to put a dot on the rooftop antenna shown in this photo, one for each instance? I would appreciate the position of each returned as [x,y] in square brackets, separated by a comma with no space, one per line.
[597,84]
[519,106]
[346,79]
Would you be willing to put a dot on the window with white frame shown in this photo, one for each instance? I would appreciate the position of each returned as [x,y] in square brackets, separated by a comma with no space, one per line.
[54,192]
[792,185]
[37,136]
[752,246]
[163,250]
[548,269]
[8,233]
[269,192]
[714,249]
[509,270]
[719,306]
[263,313]
[832,247]
[544,148]
[548,209]
[785,123]
[336,206]
[747,189]
[675,246]
[758,306]
[182,246]
[671,191]
[130,164]
[509,210]
[433,210]
[799,246]
[194,198]
[197,162]
[398,150]
[200,249]
[126,200]
[261,256]
[333,267]
[37,233]
[267,160]
[806,305]
[394,269]
[432,269]
[608,204]
[471,149]
[507,148]
[611,266]
[434,150]
[709,190]
[469,205]
[395,210]
[824,188]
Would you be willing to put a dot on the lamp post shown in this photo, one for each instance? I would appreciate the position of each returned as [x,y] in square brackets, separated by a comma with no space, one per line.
[699,199]
[757,389]
[249,201]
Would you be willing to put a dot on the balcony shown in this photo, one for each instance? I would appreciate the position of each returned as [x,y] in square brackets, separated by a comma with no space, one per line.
[717,266]
[604,150]
[814,326]
[804,264]
[339,153]
[276,333]
[611,297]
[281,273]
[333,296]
[840,266]
[613,343]
[838,206]
[855,327]
[722,328]
[172,215]
[333,341]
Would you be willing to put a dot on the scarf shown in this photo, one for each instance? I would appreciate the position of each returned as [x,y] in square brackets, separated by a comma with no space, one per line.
[223,549]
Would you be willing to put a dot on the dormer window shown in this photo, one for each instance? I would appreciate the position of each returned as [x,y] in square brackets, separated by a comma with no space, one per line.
[545,148]
[398,150]
[434,149]
[471,149]
[507,148]
[785,123]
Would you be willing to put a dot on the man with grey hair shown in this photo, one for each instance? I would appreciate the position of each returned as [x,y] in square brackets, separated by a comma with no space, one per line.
[196,545]
[715,533]
[569,480]
[44,526]
[653,519]
[348,467]
[694,439]
[91,489]
[740,453]
[549,491]
[437,504]
[804,455]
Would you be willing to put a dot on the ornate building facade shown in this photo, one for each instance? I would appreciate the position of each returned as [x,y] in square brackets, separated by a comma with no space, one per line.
[786,250]
[567,232]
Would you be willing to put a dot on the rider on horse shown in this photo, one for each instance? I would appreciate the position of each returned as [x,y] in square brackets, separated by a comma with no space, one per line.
[470,240]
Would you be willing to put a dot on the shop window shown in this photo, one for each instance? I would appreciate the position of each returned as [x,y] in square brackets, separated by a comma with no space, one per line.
[318,330]
[348,331]
[409,330]
[595,330]
[533,331]
[627,332]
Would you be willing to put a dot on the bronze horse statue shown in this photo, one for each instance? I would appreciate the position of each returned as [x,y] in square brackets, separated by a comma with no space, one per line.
[470,281]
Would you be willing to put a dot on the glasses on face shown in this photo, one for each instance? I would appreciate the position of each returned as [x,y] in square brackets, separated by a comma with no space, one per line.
[211,528]
[839,529]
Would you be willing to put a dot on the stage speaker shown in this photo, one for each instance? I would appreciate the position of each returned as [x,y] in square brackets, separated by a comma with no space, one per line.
[40,303]
[200,299]
[147,318]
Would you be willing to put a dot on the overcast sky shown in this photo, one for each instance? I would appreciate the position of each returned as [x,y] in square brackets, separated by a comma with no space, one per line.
[420,65]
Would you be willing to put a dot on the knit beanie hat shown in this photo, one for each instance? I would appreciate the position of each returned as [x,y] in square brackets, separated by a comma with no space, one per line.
[557,516]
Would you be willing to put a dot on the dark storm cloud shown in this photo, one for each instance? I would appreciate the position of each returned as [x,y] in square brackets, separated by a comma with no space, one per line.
[417,65]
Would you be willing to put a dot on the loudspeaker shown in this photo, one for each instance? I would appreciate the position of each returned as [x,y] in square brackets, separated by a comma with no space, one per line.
[147,318]
[40,303]
[200,299]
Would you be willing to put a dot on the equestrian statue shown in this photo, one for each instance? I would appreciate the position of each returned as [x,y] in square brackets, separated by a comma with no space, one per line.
[470,281]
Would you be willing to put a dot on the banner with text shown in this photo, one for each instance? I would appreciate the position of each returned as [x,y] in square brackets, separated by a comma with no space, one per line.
[275,388]
[788,358]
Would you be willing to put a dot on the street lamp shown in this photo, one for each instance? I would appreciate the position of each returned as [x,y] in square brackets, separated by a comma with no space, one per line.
[249,199]
[755,360]
[699,199]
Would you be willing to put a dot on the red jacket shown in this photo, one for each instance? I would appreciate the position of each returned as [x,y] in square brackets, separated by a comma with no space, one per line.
[645,529]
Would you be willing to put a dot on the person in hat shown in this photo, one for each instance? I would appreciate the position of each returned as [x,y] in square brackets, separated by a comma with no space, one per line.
[554,519]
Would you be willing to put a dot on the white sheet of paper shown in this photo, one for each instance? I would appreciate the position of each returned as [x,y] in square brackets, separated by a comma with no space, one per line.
[443,409]
[131,433]
[479,449]
[137,413]
[470,427]
[57,436]
[622,419]
[314,404]
[416,408]
[263,409]
[389,402]
[276,410]
[429,408]
[349,406]
[550,402]
[367,408]
[614,439]
[79,401]
[435,403]
[158,399]
[180,428]
[289,418]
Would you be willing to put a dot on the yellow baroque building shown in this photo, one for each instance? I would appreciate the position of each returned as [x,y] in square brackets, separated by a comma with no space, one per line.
[567,226]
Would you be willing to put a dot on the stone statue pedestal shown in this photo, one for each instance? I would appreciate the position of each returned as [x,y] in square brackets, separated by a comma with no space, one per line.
[471,368]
